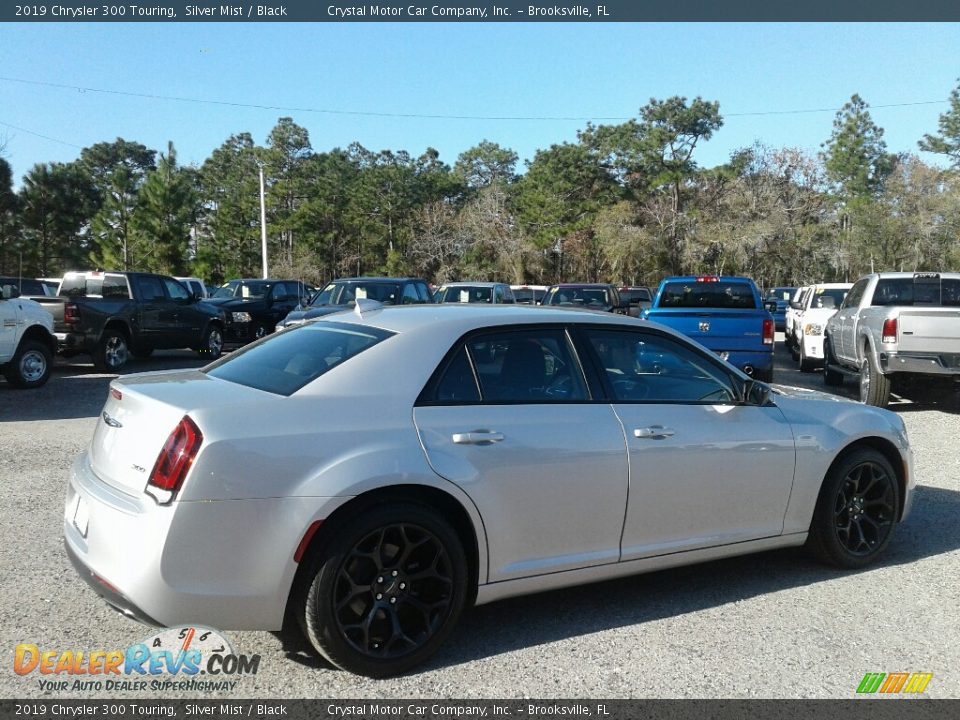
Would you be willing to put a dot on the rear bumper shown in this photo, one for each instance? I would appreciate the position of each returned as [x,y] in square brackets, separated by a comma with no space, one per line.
[228,564]
[743,359]
[921,363]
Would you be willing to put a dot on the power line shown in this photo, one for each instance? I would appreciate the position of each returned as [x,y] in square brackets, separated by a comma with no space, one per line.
[40,135]
[420,116]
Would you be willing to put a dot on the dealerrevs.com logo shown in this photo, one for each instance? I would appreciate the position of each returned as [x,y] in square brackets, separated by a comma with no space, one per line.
[189,658]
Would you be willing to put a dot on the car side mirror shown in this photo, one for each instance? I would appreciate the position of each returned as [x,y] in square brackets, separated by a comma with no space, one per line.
[795,304]
[10,292]
[756,393]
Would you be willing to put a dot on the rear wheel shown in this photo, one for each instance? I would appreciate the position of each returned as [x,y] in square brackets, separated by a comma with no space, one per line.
[874,385]
[385,591]
[112,352]
[856,510]
[30,366]
[831,377]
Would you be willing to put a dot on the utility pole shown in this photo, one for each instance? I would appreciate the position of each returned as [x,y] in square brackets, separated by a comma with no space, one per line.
[263,223]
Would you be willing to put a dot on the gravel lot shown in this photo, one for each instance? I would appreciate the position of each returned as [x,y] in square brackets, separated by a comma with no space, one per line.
[771,625]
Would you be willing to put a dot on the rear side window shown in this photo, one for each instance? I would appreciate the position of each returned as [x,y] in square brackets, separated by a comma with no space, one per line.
[716,294]
[288,361]
[108,286]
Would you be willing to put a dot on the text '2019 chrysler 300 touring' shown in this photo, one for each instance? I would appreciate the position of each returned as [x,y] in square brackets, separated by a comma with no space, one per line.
[374,472]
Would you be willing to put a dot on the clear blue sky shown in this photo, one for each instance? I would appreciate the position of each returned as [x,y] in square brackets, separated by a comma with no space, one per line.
[555,69]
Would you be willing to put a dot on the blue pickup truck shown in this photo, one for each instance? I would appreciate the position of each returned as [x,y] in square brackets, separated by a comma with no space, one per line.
[724,314]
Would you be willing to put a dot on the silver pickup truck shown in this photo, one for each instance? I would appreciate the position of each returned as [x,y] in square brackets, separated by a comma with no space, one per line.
[895,327]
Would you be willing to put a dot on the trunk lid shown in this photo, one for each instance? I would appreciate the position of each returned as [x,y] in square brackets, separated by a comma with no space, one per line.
[133,427]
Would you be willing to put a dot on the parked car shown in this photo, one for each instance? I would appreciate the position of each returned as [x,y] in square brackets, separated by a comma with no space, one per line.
[195,286]
[475,292]
[792,314]
[252,308]
[638,299]
[339,295]
[725,314]
[27,344]
[477,454]
[777,300]
[895,326]
[528,294]
[818,306]
[589,296]
[113,315]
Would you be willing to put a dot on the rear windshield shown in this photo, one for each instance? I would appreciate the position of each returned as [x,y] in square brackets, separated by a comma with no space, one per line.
[715,294]
[784,294]
[465,294]
[527,295]
[288,361]
[108,286]
[633,296]
[580,297]
[928,290]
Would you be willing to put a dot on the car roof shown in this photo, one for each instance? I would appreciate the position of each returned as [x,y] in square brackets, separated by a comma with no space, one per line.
[465,283]
[470,316]
[371,278]
[694,278]
[582,285]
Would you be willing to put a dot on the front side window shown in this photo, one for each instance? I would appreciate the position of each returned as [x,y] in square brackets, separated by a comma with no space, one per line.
[647,367]
[289,360]
[410,296]
[856,293]
[151,288]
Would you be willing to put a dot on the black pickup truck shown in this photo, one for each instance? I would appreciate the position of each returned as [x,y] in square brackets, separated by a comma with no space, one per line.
[113,315]
[253,307]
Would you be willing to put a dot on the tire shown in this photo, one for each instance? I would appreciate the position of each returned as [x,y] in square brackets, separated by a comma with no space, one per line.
[795,351]
[874,385]
[212,345]
[831,377]
[410,614]
[804,363]
[30,366]
[856,510]
[112,352]
[142,352]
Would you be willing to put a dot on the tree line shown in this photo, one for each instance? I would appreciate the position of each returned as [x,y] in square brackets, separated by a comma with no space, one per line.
[625,203]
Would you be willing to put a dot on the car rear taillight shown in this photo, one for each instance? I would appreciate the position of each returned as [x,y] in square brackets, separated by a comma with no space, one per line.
[768,332]
[889,334]
[174,461]
[71,314]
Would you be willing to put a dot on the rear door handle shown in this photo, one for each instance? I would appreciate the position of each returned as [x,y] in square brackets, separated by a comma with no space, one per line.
[654,432]
[477,437]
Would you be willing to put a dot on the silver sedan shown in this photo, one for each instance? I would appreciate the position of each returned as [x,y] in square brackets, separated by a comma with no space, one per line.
[373,473]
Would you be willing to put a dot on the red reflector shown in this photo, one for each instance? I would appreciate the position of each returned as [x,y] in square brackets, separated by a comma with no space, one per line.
[176,457]
[768,332]
[307,537]
[116,394]
[889,332]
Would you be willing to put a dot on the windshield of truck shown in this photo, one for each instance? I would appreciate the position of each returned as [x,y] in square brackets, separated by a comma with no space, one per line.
[343,293]
[244,290]
[726,294]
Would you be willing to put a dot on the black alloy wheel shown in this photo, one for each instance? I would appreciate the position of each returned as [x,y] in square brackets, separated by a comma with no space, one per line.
[387,591]
[857,510]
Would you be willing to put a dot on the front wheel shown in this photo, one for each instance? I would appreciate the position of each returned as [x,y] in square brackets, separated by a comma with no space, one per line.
[212,344]
[386,590]
[831,377]
[30,366]
[804,363]
[856,510]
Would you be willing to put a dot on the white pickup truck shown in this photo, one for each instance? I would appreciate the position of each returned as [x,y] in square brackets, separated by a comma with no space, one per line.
[818,305]
[27,343]
[895,327]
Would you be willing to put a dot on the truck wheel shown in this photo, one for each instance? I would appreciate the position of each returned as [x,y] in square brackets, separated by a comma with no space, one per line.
[831,377]
[874,385]
[212,344]
[112,352]
[30,367]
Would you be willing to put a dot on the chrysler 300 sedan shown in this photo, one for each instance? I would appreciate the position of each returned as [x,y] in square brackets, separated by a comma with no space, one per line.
[372,473]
